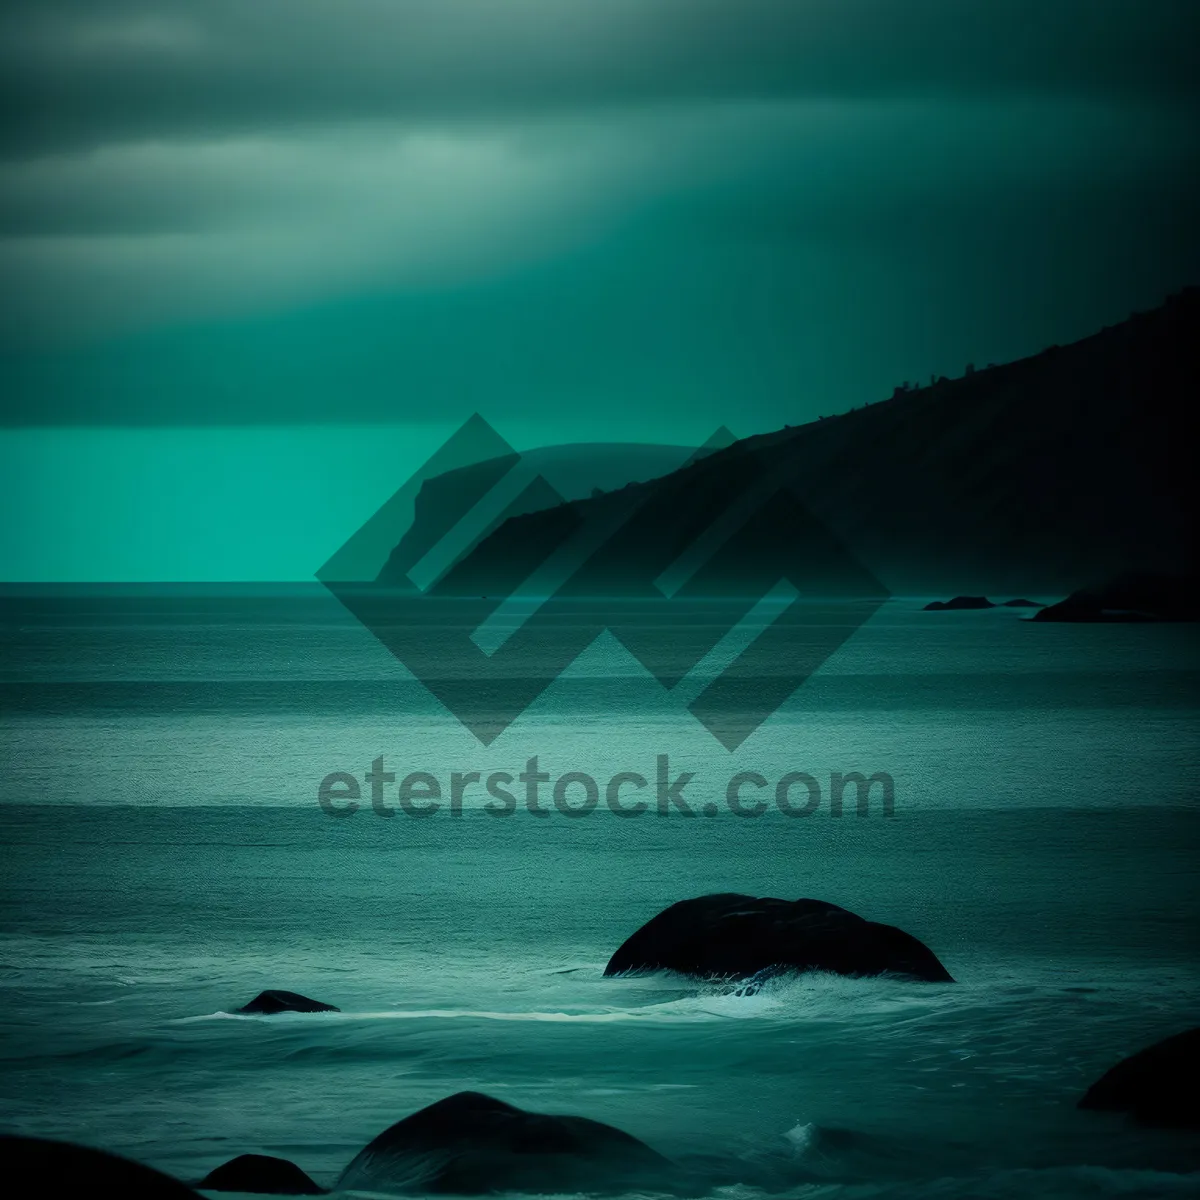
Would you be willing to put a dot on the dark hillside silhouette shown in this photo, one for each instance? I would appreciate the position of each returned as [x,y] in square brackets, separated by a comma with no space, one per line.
[1035,476]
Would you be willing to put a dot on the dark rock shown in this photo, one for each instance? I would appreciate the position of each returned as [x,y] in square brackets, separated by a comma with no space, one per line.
[731,936]
[959,602]
[276,1001]
[1132,596]
[48,1168]
[1157,1085]
[1075,610]
[1020,603]
[260,1174]
[471,1144]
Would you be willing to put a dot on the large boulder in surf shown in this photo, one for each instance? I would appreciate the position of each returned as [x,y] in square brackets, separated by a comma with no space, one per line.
[40,1167]
[471,1144]
[276,1001]
[959,602]
[730,936]
[261,1175]
[1157,1085]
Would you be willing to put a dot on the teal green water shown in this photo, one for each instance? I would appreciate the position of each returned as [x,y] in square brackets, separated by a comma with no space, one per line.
[164,859]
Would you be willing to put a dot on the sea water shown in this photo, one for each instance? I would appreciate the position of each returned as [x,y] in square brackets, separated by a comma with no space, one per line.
[165,858]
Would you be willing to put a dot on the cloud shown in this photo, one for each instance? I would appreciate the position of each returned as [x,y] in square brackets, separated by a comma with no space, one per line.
[537,202]
[152,232]
[98,71]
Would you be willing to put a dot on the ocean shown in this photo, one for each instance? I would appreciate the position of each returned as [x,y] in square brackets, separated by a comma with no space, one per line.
[165,858]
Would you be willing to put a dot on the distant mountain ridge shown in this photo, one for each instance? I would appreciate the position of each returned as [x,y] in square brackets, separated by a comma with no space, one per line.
[536,480]
[1036,476]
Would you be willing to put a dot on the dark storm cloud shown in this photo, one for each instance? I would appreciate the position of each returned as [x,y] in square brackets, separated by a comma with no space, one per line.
[96,71]
[124,234]
[339,210]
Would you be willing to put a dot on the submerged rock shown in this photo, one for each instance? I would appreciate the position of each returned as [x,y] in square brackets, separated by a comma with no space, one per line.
[260,1174]
[472,1144]
[959,602]
[47,1168]
[731,936]
[1157,1085]
[1133,596]
[275,1001]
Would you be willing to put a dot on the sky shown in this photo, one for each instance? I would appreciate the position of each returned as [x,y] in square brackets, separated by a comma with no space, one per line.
[257,260]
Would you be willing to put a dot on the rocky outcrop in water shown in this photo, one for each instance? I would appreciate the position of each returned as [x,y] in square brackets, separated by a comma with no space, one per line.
[39,1167]
[730,936]
[275,1001]
[1157,1085]
[260,1175]
[959,602]
[471,1144]
[1131,596]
